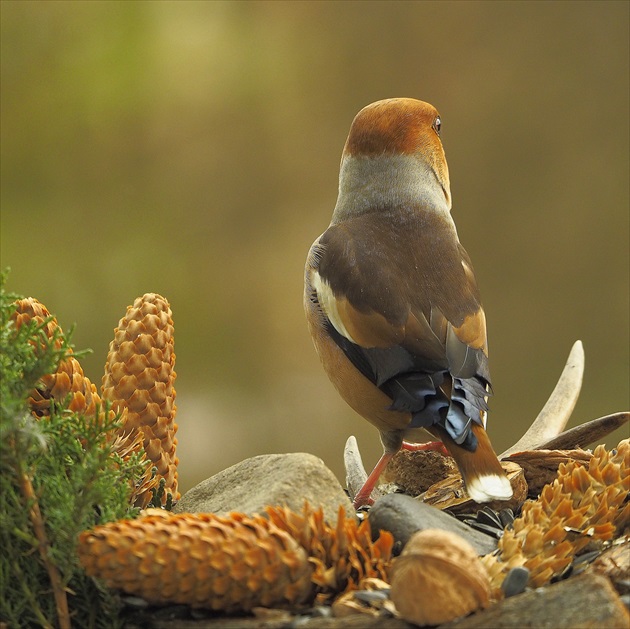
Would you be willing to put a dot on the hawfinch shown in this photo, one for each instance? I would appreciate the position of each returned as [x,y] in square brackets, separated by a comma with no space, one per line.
[392,302]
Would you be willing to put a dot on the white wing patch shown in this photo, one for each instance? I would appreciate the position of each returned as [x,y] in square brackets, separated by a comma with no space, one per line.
[328,303]
[470,276]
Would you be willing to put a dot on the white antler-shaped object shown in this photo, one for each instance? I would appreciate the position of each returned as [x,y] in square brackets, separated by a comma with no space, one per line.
[555,414]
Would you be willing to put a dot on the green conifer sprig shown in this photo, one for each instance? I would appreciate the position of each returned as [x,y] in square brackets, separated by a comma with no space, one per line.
[58,477]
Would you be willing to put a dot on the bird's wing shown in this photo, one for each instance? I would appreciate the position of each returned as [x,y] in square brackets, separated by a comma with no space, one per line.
[401,301]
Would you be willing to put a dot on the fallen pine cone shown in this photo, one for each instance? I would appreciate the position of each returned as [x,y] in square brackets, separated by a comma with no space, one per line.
[234,562]
[342,556]
[222,563]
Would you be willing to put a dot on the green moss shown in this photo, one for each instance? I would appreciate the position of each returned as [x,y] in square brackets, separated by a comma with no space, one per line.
[76,480]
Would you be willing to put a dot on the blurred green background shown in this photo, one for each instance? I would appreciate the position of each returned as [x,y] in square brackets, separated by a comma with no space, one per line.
[192,149]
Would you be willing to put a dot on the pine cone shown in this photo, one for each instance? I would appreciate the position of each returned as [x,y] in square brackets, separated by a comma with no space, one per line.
[341,556]
[232,563]
[139,376]
[128,441]
[68,380]
[583,505]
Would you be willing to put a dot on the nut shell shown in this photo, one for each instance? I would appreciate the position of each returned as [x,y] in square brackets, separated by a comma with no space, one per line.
[415,471]
[437,578]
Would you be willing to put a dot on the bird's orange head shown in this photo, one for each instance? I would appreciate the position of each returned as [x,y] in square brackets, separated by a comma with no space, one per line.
[400,126]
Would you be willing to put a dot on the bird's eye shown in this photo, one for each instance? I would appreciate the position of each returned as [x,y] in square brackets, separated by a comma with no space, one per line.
[437,124]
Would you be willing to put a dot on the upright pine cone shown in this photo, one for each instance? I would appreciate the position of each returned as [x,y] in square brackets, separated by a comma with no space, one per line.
[68,380]
[582,505]
[231,563]
[139,376]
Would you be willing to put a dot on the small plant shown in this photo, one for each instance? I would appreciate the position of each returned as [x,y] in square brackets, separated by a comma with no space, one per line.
[59,475]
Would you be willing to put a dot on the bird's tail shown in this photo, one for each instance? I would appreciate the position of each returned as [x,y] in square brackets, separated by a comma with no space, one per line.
[481,470]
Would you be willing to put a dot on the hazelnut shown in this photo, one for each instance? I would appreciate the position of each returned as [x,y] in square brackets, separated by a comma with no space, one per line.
[437,578]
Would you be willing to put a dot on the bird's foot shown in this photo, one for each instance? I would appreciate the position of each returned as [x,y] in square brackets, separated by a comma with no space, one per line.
[362,501]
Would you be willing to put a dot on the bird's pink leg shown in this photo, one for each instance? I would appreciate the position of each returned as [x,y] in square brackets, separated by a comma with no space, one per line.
[438,446]
[363,495]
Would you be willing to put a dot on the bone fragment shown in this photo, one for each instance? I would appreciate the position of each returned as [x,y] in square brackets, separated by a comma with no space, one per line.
[541,466]
[586,434]
[555,414]
[355,471]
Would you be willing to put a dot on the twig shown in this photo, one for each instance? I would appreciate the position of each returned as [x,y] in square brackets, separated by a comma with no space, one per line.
[28,595]
[35,515]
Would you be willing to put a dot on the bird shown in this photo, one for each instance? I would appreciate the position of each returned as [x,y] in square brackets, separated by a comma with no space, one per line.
[392,303]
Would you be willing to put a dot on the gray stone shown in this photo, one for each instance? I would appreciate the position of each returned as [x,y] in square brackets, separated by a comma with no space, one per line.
[587,601]
[269,480]
[515,581]
[403,515]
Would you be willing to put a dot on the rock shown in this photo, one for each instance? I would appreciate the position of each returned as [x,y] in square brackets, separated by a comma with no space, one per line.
[587,601]
[269,479]
[402,516]
[515,581]
[615,564]
[371,600]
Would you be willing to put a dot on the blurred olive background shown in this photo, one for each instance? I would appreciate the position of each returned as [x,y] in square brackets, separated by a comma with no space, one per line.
[192,149]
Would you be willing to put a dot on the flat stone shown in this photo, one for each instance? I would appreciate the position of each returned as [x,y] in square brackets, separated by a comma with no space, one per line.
[614,563]
[587,601]
[269,480]
[403,515]
[359,621]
